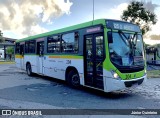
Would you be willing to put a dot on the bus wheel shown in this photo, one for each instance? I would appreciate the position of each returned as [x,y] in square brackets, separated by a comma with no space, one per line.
[29,70]
[73,79]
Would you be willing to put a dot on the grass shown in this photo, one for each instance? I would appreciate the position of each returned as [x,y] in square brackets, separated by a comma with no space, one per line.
[153,74]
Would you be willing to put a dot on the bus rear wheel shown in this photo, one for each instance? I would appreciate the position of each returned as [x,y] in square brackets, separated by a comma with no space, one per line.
[29,70]
[73,79]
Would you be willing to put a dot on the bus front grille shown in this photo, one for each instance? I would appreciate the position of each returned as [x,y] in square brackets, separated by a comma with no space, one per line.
[131,83]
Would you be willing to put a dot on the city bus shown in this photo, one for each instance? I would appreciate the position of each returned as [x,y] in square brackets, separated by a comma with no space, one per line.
[103,54]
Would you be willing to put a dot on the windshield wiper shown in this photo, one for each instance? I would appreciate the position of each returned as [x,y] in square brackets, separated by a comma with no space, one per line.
[121,34]
[133,43]
[130,40]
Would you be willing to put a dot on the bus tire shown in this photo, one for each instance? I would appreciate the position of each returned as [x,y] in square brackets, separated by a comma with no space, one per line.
[73,79]
[29,70]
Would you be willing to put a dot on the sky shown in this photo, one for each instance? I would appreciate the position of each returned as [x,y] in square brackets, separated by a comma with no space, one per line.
[22,18]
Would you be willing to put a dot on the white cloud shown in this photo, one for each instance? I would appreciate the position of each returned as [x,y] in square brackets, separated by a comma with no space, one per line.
[118,10]
[23,17]
[155,29]
[65,7]
[113,13]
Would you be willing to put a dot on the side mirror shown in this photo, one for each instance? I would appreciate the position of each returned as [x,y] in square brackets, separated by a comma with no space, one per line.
[110,38]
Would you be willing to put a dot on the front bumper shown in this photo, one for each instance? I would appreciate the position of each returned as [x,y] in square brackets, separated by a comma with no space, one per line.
[116,85]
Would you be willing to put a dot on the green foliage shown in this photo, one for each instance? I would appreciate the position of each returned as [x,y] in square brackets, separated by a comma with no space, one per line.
[10,50]
[137,14]
[1,37]
[153,74]
[158,50]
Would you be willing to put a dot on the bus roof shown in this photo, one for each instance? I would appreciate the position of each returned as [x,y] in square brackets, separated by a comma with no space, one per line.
[70,28]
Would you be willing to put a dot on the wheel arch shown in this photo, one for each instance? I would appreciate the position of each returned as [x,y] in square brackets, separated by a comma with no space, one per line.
[27,64]
[68,69]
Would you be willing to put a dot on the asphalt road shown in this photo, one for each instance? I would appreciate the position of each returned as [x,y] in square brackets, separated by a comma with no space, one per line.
[19,91]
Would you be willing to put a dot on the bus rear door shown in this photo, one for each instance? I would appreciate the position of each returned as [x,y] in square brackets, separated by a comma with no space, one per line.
[22,56]
[40,52]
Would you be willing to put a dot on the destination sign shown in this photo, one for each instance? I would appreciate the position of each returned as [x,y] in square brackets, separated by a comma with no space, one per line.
[40,39]
[94,29]
[21,43]
[120,25]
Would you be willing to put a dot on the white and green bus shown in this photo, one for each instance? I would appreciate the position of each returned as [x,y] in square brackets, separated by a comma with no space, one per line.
[103,54]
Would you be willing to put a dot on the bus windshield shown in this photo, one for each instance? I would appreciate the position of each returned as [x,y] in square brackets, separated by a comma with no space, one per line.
[126,49]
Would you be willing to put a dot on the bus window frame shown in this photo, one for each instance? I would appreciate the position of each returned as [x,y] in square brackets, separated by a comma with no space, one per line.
[59,38]
[75,31]
[16,48]
[35,45]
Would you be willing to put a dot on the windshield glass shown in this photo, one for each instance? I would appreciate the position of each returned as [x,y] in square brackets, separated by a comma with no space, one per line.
[126,49]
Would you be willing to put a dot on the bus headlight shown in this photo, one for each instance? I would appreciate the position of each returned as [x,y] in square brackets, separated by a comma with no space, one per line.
[145,71]
[115,75]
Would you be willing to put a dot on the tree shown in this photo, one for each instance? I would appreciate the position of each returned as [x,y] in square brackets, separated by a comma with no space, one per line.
[1,37]
[158,50]
[137,14]
[10,52]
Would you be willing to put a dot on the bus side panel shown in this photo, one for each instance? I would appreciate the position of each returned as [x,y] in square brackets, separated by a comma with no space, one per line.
[18,62]
[32,60]
[78,64]
[19,59]
[53,68]
[56,67]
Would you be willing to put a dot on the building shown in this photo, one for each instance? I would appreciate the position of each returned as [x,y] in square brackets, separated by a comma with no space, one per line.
[9,40]
[3,46]
[153,54]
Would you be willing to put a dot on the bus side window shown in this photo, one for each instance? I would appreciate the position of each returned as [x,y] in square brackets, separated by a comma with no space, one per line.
[76,39]
[70,42]
[17,48]
[53,44]
[99,47]
[30,46]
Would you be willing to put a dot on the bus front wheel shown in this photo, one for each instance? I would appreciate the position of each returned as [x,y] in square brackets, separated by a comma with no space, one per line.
[29,70]
[73,79]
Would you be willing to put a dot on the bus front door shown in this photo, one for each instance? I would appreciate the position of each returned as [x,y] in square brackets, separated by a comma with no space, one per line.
[40,53]
[93,60]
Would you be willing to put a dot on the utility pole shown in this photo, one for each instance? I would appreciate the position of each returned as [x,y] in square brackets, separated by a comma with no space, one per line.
[93,12]
[1,37]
